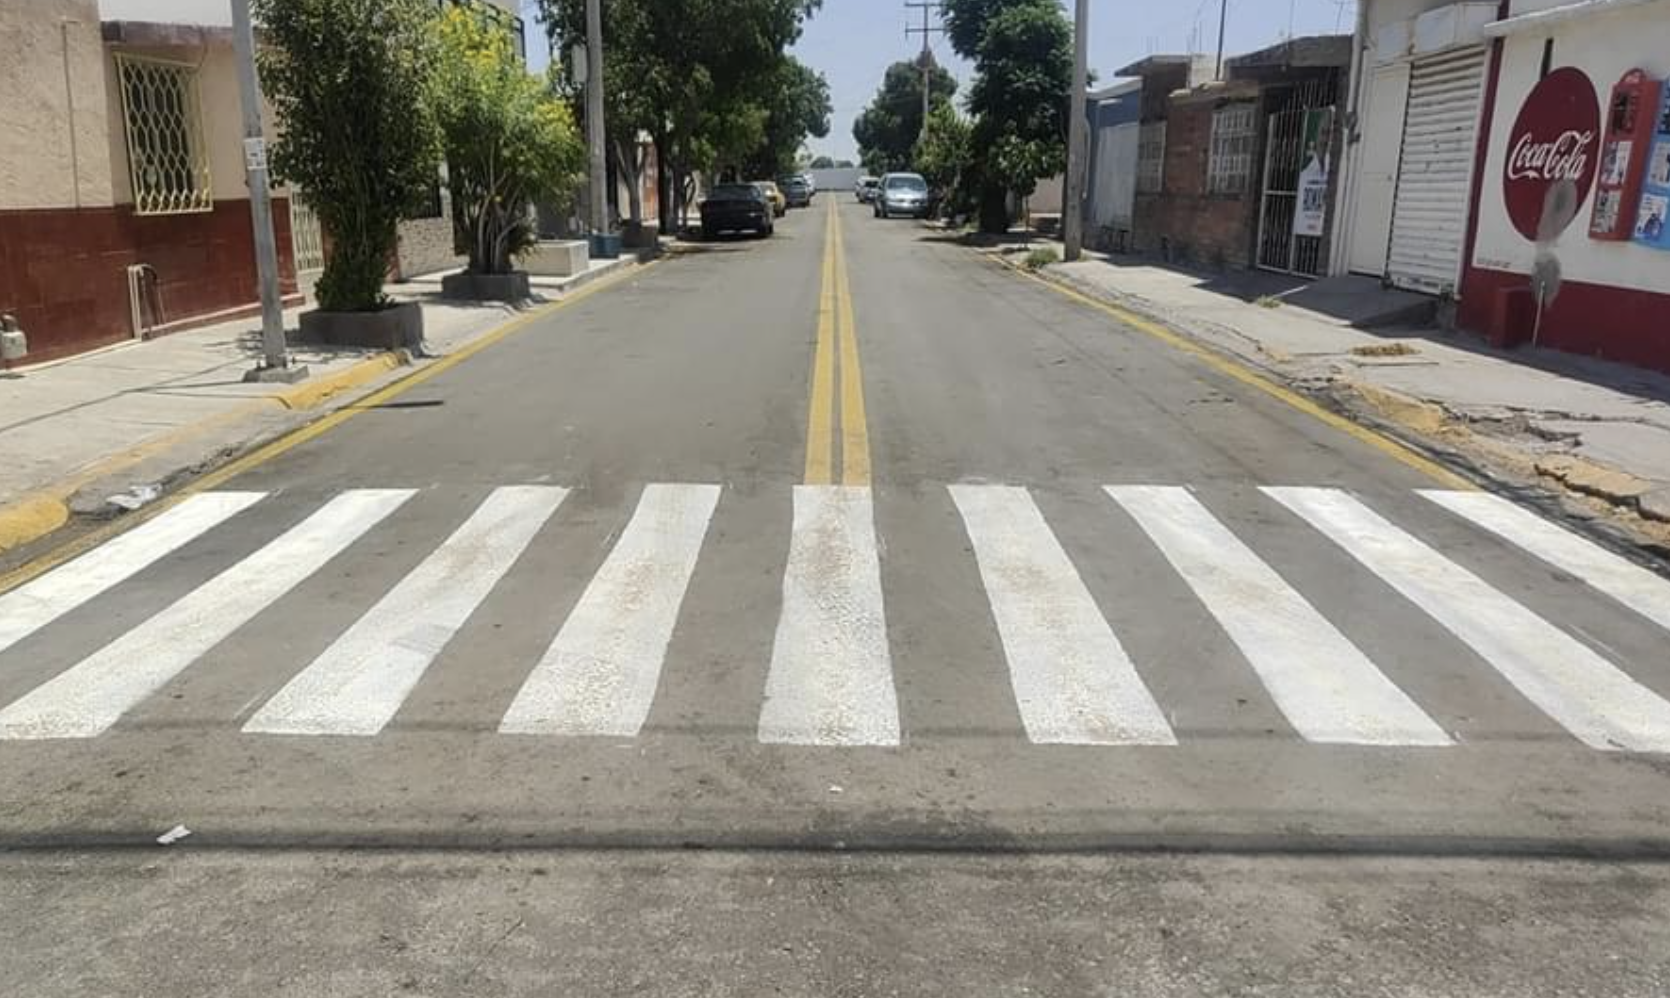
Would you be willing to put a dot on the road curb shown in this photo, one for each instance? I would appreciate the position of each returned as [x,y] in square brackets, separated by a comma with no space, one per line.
[43,512]
[31,518]
[312,394]
[1410,422]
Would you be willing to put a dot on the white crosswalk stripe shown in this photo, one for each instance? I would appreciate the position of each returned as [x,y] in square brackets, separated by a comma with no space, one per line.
[1629,584]
[600,673]
[34,605]
[1327,689]
[831,678]
[357,684]
[92,695]
[1073,682]
[1589,696]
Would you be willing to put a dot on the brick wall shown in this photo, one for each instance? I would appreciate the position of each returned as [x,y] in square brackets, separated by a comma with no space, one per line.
[63,271]
[1183,223]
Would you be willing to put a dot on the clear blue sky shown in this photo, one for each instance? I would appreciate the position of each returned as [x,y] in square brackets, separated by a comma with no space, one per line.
[852,42]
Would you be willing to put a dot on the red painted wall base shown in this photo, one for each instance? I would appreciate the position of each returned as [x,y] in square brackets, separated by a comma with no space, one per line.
[63,271]
[1632,327]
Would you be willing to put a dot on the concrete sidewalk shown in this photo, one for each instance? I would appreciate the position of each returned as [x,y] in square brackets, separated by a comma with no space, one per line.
[1526,417]
[97,433]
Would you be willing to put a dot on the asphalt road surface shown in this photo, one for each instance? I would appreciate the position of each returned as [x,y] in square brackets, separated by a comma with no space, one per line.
[837,614]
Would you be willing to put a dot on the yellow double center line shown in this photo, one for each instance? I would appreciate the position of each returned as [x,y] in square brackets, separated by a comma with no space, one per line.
[836,363]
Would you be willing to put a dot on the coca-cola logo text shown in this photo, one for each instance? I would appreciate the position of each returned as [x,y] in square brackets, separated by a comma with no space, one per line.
[1565,158]
[1554,140]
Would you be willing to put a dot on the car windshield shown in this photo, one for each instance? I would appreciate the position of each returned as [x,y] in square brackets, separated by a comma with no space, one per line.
[1150,539]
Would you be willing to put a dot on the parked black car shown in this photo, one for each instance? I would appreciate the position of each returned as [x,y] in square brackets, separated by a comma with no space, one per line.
[736,208]
[797,190]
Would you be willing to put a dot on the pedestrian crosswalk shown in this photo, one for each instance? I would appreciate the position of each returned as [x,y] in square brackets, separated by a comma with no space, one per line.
[830,676]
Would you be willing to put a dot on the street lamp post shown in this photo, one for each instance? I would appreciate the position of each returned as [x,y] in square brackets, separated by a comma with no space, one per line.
[275,360]
[595,135]
[1072,210]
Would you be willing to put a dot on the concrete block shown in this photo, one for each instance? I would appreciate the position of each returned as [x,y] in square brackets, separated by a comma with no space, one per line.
[511,287]
[551,258]
[398,327]
[1655,505]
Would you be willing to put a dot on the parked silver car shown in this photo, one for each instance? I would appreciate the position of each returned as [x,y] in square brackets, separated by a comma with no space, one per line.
[866,187]
[902,194]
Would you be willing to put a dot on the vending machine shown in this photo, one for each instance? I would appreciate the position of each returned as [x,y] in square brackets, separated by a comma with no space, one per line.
[1626,132]
[1652,215]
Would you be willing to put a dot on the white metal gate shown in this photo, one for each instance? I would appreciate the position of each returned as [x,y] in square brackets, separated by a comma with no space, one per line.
[307,238]
[1440,136]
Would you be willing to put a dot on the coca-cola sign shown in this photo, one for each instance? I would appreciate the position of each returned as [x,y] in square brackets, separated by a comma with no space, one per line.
[1555,139]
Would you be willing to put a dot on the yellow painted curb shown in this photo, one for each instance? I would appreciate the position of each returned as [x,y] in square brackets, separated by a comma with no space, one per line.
[36,516]
[302,434]
[1224,365]
[312,394]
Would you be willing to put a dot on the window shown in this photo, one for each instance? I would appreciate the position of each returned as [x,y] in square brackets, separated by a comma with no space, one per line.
[1230,167]
[163,118]
[1151,157]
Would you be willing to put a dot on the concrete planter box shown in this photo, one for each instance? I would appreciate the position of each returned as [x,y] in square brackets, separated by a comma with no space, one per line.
[398,327]
[643,235]
[553,258]
[511,287]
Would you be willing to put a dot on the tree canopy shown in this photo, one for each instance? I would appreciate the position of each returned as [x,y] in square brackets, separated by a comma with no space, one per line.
[888,127]
[351,81]
[708,80]
[509,141]
[1022,53]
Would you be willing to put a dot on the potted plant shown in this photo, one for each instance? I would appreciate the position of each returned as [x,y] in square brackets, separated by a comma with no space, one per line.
[350,82]
[509,142]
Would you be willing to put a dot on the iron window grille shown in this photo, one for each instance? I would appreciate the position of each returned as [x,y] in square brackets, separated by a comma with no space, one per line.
[162,116]
[1151,157]
[1230,166]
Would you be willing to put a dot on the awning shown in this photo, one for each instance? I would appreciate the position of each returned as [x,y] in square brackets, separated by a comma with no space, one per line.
[1540,19]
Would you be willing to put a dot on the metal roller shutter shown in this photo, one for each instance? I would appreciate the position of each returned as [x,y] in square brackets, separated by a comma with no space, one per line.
[1440,136]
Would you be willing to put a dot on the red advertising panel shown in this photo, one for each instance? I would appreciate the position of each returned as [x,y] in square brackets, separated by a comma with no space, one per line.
[1554,145]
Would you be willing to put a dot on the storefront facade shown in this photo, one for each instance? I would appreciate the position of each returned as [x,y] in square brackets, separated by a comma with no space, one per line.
[1570,240]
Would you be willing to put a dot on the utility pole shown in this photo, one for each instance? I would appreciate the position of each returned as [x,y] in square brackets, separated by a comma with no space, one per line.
[926,59]
[275,360]
[1072,208]
[594,126]
[1223,15]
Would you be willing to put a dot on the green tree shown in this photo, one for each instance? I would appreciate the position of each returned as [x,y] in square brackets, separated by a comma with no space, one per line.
[888,127]
[1022,52]
[945,152]
[796,101]
[350,82]
[822,163]
[509,141]
[690,64]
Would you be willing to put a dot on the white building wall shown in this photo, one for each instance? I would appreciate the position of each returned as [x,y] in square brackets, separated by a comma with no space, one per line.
[53,106]
[1604,46]
[1387,37]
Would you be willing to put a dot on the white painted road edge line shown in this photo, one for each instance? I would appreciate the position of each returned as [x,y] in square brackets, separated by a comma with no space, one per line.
[93,694]
[600,673]
[1073,682]
[831,678]
[39,602]
[356,686]
[1324,685]
[1590,697]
